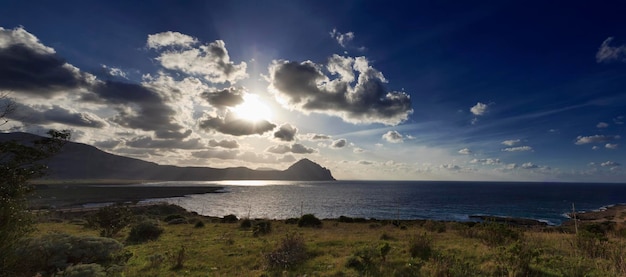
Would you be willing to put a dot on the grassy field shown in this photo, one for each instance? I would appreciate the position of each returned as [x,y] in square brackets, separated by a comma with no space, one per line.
[198,246]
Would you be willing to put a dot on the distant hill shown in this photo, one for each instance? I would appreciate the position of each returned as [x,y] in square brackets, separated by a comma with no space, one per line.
[82,161]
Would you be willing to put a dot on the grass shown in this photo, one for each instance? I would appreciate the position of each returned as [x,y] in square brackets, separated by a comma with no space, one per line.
[226,249]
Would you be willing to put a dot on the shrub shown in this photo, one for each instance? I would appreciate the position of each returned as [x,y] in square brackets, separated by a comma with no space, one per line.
[173,217]
[156,260]
[199,224]
[515,259]
[496,234]
[289,252]
[435,226]
[177,221]
[384,250]
[144,231]
[262,227]
[55,252]
[449,264]
[420,246]
[364,260]
[179,258]
[346,219]
[385,236]
[84,270]
[111,219]
[246,224]
[292,220]
[593,245]
[309,220]
[231,218]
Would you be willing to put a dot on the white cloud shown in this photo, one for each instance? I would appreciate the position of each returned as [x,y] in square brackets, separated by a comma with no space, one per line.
[595,147]
[602,125]
[19,36]
[518,149]
[358,150]
[393,137]
[450,167]
[465,151]
[286,132]
[511,142]
[479,109]
[488,161]
[342,39]
[170,38]
[595,139]
[607,53]
[306,87]
[619,120]
[211,61]
[610,163]
[294,148]
[529,165]
[611,145]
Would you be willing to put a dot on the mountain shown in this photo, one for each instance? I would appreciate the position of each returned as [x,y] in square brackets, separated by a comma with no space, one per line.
[82,161]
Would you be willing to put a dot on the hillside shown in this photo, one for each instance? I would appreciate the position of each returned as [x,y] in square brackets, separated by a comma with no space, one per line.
[82,161]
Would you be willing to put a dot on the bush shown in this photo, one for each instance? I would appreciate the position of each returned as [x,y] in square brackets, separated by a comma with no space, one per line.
[55,252]
[346,219]
[515,259]
[199,224]
[84,270]
[231,218]
[421,247]
[364,260]
[245,224]
[309,220]
[292,220]
[262,227]
[289,252]
[177,221]
[435,226]
[144,231]
[179,258]
[593,245]
[173,217]
[111,219]
[497,234]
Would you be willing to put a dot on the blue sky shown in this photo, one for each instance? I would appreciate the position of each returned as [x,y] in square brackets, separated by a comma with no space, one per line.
[430,90]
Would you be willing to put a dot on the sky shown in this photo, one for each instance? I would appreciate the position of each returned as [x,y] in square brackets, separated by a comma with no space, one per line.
[426,90]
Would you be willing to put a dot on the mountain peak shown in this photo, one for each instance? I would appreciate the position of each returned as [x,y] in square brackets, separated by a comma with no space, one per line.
[309,170]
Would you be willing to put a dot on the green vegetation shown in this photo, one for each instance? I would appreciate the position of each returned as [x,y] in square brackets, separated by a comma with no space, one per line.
[262,247]
[20,163]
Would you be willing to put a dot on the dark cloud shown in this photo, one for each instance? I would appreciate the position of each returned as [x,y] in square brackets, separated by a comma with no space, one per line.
[55,114]
[340,143]
[295,148]
[148,142]
[231,144]
[286,132]
[138,107]
[319,137]
[228,97]
[305,87]
[232,125]
[107,144]
[29,67]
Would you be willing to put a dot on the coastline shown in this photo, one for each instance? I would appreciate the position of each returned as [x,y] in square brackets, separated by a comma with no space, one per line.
[69,195]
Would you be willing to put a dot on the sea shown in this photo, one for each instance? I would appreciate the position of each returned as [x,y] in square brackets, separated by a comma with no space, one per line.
[451,201]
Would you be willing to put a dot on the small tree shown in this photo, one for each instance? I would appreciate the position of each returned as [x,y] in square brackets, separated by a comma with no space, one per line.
[111,219]
[19,163]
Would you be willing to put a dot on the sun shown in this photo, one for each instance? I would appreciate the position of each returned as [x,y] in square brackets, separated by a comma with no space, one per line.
[252,109]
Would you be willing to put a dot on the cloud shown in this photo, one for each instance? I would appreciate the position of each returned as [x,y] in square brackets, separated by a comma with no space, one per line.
[619,120]
[358,150]
[170,38]
[211,61]
[138,107]
[393,137]
[611,145]
[607,53]
[595,139]
[31,68]
[231,144]
[340,143]
[602,125]
[450,167]
[107,144]
[511,166]
[511,142]
[318,137]
[518,149]
[465,151]
[40,114]
[286,132]
[149,142]
[232,125]
[295,148]
[215,154]
[488,161]
[228,97]
[479,109]
[610,163]
[595,147]
[365,162]
[114,71]
[342,39]
[306,88]
[529,165]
